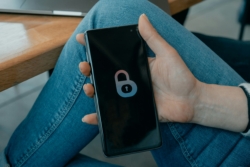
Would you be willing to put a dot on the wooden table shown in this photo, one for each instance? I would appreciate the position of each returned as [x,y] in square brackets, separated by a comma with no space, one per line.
[31,44]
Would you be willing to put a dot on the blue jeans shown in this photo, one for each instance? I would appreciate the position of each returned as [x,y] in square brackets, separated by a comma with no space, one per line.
[52,134]
[235,53]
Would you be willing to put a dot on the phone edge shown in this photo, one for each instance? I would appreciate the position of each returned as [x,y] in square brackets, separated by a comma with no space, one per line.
[95,95]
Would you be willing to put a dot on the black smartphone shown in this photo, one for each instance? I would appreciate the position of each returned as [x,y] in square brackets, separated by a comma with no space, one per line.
[124,99]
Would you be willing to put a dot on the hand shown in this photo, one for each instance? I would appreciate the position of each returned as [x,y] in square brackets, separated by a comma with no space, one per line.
[176,90]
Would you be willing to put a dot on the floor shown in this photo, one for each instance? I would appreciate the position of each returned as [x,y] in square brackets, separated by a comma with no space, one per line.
[213,17]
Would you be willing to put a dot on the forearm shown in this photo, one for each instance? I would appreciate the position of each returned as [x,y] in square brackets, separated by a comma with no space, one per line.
[223,107]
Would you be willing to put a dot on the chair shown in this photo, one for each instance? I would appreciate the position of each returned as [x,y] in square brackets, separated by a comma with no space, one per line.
[244,17]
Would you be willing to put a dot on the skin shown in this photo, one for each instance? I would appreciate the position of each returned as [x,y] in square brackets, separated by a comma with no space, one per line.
[179,96]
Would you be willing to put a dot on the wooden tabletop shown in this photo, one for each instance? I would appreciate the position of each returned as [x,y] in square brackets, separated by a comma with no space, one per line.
[31,44]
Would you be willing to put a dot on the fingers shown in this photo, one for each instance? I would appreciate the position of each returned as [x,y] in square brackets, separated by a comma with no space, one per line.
[90,119]
[80,38]
[89,90]
[153,39]
[150,59]
[85,68]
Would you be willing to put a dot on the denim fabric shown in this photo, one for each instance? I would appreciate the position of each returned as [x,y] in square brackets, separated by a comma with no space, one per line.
[52,134]
[235,53]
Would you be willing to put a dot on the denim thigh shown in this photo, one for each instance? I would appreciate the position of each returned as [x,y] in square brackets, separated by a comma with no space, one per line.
[52,133]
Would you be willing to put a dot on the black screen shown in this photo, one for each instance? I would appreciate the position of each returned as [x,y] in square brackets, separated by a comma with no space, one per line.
[123,91]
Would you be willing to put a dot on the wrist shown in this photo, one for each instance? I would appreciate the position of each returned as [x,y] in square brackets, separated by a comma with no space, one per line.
[199,102]
[223,107]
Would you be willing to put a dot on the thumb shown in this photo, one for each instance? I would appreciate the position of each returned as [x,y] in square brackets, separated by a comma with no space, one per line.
[152,38]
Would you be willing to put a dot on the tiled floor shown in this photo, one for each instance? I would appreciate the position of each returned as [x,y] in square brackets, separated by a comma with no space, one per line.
[213,17]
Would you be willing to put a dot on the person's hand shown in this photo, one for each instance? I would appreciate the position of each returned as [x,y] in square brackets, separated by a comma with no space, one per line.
[176,90]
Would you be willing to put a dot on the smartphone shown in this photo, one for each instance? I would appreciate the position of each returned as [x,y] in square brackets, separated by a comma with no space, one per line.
[124,99]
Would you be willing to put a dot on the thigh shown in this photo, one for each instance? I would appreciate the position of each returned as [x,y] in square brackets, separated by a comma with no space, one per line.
[53,133]
[188,144]
[235,53]
[194,145]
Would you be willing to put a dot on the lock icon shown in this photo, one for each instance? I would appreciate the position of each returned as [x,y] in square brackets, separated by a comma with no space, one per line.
[125,88]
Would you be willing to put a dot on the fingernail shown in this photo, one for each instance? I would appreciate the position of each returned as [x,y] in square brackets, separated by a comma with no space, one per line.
[80,67]
[145,16]
[83,119]
[84,88]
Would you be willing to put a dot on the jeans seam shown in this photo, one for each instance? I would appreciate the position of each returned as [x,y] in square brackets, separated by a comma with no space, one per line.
[182,144]
[55,121]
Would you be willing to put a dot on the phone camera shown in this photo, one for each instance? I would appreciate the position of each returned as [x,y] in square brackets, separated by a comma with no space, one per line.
[131,30]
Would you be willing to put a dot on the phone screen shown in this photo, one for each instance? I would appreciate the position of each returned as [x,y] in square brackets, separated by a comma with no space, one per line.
[123,91]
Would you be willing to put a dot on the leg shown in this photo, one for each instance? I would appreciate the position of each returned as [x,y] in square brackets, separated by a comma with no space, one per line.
[52,134]
[235,53]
